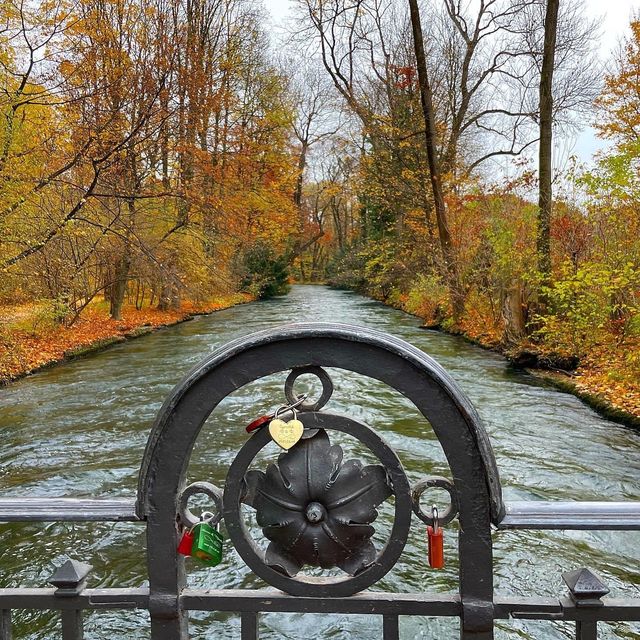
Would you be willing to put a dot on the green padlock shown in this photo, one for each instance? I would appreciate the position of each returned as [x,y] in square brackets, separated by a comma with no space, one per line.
[207,544]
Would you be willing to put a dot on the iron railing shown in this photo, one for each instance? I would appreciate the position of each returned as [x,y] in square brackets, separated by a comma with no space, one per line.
[331,502]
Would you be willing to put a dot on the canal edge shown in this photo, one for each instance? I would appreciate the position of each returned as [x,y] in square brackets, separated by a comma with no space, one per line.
[559,380]
[102,344]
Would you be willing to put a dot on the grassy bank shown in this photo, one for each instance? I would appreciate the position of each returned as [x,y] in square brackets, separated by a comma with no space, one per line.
[601,379]
[30,340]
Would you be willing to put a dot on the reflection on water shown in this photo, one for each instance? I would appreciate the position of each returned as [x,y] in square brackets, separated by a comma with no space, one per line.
[80,429]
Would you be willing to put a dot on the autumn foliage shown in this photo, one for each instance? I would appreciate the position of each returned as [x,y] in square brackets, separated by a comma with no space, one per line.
[583,320]
[32,338]
[145,149]
[157,157]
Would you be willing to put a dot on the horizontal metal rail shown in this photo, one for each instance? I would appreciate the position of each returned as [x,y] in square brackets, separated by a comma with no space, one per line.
[116,598]
[427,604]
[614,516]
[42,509]
[367,602]
[531,514]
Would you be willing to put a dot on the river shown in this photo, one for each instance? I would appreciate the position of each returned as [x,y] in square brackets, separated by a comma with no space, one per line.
[79,429]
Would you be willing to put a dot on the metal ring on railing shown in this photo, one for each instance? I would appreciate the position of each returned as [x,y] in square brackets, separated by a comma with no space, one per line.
[441,483]
[327,388]
[187,518]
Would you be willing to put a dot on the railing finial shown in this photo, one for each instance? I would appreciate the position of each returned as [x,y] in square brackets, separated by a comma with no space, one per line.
[585,587]
[70,579]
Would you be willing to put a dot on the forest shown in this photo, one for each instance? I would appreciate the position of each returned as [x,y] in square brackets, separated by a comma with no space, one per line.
[160,158]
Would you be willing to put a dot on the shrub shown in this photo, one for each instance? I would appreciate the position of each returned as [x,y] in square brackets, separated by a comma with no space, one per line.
[265,273]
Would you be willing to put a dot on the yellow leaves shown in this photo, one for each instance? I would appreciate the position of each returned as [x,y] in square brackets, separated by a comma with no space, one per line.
[608,375]
[67,68]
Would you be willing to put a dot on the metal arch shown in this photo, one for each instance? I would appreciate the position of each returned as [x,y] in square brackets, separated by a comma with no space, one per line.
[342,332]
[362,350]
[251,555]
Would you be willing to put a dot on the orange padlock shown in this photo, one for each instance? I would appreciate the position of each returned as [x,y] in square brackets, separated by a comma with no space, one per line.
[435,541]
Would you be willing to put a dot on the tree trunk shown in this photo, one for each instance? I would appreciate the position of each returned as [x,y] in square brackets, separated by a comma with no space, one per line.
[169,297]
[426,100]
[513,315]
[545,193]
[302,163]
[119,287]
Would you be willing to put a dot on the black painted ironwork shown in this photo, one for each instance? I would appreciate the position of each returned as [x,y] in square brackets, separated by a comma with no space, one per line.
[317,509]
[237,489]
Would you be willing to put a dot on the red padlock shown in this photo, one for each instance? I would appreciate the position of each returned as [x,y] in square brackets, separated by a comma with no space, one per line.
[186,542]
[435,542]
[258,422]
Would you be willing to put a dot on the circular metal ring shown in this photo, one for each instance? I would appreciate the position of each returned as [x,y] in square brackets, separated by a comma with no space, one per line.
[186,516]
[327,388]
[442,483]
[307,586]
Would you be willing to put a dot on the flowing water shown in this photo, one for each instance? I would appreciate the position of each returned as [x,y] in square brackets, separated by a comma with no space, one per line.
[80,429]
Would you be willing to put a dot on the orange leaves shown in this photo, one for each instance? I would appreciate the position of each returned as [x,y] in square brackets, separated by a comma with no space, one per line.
[405,77]
[24,349]
[620,101]
[608,373]
[572,233]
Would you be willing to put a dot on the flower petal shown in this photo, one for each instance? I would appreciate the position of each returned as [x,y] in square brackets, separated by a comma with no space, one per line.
[356,492]
[265,492]
[278,559]
[348,535]
[286,533]
[359,560]
[309,467]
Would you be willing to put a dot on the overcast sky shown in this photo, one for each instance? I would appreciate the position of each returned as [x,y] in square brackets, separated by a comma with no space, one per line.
[613,16]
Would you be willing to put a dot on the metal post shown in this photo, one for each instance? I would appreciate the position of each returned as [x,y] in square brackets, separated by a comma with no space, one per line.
[5,624]
[72,627]
[390,629]
[586,589]
[249,625]
[70,580]
[586,630]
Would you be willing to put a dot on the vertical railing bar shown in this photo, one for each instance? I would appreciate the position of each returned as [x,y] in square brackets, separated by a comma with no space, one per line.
[586,630]
[390,629]
[72,625]
[249,625]
[5,624]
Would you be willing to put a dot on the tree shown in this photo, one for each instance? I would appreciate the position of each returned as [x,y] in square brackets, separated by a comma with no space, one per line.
[426,100]
[135,166]
[545,193]
[619,103]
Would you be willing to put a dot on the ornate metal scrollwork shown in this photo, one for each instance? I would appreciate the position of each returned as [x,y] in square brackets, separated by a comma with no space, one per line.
[316,508]
[325,381]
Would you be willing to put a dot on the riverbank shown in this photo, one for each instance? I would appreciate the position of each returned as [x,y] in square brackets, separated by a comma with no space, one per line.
[597,380]
[31,341]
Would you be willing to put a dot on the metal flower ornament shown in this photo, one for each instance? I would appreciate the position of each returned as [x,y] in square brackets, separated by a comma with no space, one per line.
[316,509]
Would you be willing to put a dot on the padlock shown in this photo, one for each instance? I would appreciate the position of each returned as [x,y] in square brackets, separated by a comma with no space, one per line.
[207,544]
[186,542]
[435,542]
[259,422]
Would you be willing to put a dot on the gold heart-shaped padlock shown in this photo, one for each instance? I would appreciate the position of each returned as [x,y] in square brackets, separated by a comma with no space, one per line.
[285,434]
